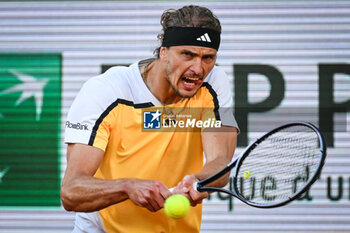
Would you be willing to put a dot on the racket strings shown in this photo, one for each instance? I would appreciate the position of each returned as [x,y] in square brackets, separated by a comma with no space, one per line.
[280,166]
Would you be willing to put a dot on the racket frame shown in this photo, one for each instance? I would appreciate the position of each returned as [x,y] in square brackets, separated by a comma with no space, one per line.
[200,186]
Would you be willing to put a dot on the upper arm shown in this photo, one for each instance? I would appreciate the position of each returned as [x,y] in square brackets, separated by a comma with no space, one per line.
[82,160]
[219,143]
[221,97]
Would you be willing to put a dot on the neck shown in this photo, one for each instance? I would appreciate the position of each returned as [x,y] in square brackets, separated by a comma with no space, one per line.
[155,78]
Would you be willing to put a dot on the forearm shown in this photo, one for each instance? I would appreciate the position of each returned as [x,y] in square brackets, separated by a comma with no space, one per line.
[87,194]
[219,146]
[82,192]
[212,167]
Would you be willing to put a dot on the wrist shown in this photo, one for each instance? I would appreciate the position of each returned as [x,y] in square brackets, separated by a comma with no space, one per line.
[196,177]
[126,185]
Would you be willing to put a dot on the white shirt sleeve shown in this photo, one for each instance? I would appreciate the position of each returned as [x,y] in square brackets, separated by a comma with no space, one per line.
[219,81]
[87,107]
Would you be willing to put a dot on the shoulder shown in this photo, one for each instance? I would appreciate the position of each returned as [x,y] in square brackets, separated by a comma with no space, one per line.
[115,83]
[97,97]
[217,87]
[217,77]
[115,77]
[217,82]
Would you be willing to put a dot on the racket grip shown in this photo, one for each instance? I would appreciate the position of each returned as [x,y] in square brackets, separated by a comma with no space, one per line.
[194,187]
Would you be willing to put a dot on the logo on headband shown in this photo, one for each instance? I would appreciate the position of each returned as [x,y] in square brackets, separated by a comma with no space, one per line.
[204,37]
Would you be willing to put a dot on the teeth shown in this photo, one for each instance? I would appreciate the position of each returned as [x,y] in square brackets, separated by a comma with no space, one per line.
[192,78]
[189,84]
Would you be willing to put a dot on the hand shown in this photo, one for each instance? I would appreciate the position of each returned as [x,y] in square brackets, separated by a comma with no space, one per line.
[150,194]
[185,187]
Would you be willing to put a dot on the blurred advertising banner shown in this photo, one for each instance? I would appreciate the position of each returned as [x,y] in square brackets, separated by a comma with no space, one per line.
[30,112]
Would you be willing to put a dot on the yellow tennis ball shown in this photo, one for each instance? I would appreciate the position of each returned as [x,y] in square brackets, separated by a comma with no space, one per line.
[246,174]
[176,206]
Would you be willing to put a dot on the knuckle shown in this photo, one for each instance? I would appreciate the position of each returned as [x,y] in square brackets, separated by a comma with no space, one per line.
[143,202]
[147,196]
[157,185]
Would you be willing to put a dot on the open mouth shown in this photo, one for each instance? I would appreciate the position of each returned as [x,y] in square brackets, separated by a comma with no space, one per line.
[191,82]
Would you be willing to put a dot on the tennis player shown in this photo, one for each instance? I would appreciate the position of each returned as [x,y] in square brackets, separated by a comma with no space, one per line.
[119,172]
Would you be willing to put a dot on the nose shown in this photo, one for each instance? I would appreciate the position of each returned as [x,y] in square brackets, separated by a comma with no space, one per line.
[196,67]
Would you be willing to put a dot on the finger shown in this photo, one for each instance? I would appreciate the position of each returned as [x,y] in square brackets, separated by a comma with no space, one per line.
[179,189]
[154,204]
[150,207]
[192,202]
[197,197]
[144,203]
[187,183]
[165,193]
[190,182]
[158,200]
[160,194]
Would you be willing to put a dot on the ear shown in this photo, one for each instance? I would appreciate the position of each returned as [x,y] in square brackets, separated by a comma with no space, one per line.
[163,53]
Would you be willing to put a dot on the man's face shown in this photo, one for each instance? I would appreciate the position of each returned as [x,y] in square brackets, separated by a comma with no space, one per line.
[186,67]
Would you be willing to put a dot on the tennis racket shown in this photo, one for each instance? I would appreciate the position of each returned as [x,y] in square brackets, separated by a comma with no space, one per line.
[276,168]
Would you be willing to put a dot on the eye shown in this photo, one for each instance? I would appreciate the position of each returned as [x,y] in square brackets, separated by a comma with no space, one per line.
[208,58]
[187,55]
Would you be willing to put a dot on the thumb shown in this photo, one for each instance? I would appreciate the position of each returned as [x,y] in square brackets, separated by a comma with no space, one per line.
[188,182]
